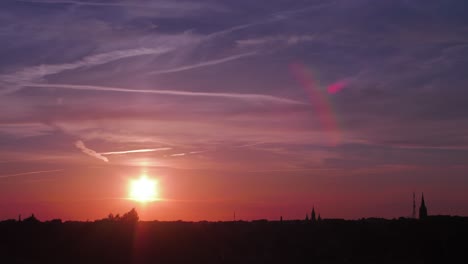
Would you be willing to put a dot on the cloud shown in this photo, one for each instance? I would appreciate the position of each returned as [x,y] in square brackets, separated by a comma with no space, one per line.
[251,144]
[239,96]
[16,80]
[271,18]
[233,29]
[80,145]
[205,63]
[275,40]
[134,151]
[196,152]
[70,2]
[138,4]
[25,129]
[178,155]
[187,153]
[29,173]
[140,9]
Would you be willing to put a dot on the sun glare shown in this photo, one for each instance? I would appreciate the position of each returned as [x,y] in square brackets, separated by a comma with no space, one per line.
[143,189]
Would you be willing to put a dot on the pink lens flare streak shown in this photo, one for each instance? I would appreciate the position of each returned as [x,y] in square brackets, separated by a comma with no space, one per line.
[336,87]
[319,102]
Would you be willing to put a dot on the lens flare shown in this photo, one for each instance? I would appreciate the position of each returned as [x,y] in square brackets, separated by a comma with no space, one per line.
[336,87]
[320,102]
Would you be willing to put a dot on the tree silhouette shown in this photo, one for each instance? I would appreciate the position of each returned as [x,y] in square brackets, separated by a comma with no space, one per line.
[130,217]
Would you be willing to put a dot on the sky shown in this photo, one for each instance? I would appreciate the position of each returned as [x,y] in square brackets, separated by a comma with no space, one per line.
[258,108]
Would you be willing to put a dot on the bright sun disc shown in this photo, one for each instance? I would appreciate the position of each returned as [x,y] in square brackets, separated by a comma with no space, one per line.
[143,189]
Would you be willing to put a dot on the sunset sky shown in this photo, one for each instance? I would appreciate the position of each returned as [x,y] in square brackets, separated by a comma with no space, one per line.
[262,108]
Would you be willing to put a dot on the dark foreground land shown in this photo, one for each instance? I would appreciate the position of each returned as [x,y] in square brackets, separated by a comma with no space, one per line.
[434,240]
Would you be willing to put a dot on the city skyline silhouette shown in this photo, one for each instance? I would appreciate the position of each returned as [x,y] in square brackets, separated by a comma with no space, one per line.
[193,110]
[314,217]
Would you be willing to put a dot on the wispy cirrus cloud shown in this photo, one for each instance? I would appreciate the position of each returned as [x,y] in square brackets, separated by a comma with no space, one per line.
[239,96]
[134,151]
[205,63]
[25,129]
[84,3]
[80,145]
[178,154]
[168,5]
[286,39]
[17,79]
[29,173]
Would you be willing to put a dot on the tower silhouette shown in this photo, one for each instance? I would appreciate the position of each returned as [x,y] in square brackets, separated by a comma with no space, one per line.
[422,208]
[312,215]
[414,206]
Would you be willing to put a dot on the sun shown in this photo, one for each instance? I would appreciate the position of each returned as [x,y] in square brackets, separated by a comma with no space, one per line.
[143,189]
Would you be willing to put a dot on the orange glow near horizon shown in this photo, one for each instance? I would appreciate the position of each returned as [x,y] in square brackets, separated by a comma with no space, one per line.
[143,189]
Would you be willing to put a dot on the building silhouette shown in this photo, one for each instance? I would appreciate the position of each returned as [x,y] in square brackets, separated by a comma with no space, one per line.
[31,219]
[313,218]
[422,208]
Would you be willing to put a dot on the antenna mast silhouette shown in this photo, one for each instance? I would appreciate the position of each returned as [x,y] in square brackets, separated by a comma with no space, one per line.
[414,206]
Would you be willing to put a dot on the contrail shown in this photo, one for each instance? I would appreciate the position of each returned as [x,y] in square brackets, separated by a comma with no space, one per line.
[251,144]
[133,151]
[275,17]
[85,3]
[79,144]
[258,97]
[196,152]
[177,155]
[189,6]
[18,79]
[29,173]
[205,63]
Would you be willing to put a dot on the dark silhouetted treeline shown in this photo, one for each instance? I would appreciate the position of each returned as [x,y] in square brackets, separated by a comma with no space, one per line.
[437,239]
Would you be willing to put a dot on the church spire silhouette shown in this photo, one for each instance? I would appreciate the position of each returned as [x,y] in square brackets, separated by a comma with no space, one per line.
[312,215]
[422,208]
